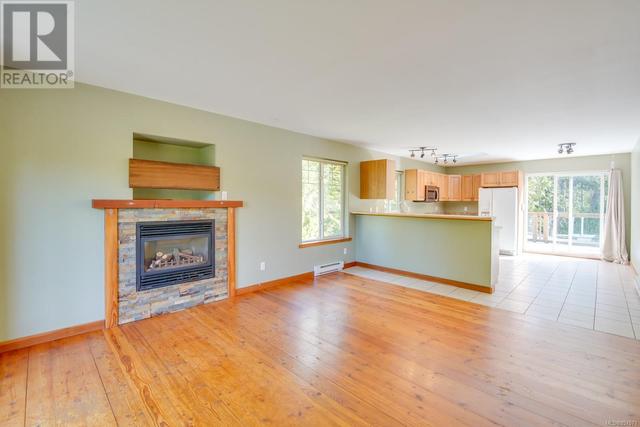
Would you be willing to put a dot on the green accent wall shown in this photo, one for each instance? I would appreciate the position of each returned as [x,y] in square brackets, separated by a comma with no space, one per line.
[635,207]
[450,249]
[564,164]
[62,148]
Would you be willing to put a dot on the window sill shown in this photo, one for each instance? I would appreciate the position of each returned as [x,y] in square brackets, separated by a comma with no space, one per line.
[324,242]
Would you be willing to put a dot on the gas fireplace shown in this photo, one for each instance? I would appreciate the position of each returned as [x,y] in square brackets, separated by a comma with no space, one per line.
[174,252]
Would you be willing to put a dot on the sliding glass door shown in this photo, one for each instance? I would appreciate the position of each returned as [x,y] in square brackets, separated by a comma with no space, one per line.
[566,212]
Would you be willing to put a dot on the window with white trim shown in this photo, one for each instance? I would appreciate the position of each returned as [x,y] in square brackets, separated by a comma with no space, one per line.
[323,200]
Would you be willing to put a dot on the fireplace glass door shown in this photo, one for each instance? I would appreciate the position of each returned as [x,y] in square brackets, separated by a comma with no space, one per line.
[174,252]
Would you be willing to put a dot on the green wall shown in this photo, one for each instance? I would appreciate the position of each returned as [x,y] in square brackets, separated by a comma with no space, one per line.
[635,207]
[445,248]
[62,148]
[565,164]
[197,155]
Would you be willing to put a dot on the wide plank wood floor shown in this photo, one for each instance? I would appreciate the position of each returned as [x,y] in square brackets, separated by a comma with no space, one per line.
[342,350]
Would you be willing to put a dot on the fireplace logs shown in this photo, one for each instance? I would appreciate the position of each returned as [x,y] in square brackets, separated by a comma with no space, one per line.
[178,257]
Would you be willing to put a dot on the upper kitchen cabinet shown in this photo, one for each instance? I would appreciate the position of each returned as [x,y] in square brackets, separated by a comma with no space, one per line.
[471,188]
[490,179]
[510,179]
[377,179]
[414,183]
[501,179]
[476,187]
[467,188]
[455,188]
[431,178]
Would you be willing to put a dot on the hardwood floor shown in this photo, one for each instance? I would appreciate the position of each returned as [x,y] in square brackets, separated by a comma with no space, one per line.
[344,350]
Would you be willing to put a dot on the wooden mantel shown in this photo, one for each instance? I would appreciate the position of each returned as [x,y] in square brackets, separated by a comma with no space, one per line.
[163,203]
[111,241]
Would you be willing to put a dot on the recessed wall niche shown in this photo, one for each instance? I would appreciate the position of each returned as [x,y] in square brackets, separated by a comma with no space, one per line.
[149,147]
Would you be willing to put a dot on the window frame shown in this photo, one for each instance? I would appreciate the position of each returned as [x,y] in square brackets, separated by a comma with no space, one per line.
[343,216]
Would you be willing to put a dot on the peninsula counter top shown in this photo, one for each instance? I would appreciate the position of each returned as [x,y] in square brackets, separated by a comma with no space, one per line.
[427,216]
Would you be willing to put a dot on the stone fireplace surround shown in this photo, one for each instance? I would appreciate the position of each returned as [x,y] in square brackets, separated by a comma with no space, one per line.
[137,305]
[123,303]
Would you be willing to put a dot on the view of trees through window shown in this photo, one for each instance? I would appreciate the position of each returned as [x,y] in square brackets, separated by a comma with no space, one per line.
[566,211]
[322,200]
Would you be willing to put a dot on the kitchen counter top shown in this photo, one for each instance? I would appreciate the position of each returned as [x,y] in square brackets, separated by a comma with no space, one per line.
[427,216]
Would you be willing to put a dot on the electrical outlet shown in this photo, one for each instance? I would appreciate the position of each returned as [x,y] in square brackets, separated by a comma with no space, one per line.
[345,251]
[263,266]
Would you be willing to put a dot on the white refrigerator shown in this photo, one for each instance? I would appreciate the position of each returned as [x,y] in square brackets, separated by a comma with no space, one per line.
[502,204]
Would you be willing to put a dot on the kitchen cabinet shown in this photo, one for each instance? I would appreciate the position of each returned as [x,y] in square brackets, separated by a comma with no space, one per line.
[490,179]
[433,178]
[510,179]
[443,184]
[471,188]
[501,179]
[377,179]
[414,184]
[467,188]
[476,187]
[455,188]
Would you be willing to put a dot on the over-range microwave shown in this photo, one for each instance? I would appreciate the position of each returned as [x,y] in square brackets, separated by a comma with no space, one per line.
[431,193]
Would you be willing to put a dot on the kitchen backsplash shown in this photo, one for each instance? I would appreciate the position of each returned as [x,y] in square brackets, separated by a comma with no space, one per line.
[461,208]
[414,207]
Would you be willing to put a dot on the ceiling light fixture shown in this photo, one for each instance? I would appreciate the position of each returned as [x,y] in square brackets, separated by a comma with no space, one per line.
[446,158]
[566,147]
[423,151]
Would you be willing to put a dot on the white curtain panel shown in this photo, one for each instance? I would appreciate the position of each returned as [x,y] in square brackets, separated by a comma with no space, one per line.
[615,247]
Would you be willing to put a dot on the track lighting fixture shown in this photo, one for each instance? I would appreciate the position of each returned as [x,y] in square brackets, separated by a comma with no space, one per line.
[446,158]
[423,152]
[566,147]
[433,152]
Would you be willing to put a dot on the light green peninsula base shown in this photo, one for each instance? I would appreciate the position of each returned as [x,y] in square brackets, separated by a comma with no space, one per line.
[453,248]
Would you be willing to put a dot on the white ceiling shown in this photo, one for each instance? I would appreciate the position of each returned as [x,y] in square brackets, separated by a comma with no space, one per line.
[493,79]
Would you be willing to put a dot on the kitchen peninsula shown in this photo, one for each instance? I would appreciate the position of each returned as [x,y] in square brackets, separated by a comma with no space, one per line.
[460,250]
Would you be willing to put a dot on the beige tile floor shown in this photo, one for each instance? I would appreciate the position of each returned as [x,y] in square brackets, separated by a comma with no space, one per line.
[586,293]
